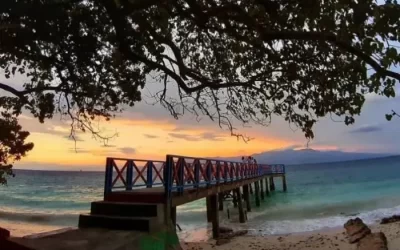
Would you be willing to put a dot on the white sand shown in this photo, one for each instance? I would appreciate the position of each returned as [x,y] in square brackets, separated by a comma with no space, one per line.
[321,240]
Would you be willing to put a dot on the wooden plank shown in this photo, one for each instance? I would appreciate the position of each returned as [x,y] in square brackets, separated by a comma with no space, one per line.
[195,194]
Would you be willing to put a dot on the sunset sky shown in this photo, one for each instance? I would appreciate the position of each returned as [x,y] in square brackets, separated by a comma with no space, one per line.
[150,132]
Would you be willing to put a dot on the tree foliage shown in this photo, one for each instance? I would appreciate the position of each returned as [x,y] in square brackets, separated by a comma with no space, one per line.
[12,145]
[225,59]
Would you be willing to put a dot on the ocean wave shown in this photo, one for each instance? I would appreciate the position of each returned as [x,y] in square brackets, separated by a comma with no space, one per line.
[305,225]
[42,218]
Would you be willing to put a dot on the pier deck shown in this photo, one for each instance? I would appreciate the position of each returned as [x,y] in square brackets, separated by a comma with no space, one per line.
[141,194]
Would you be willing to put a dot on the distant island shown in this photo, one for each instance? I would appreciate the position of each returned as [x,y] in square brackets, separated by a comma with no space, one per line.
[308,156]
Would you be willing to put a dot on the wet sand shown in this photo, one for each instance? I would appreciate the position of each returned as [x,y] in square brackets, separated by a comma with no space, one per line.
[330,239]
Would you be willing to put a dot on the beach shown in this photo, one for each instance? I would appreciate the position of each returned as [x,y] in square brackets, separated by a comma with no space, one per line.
[327,239]
[319,197]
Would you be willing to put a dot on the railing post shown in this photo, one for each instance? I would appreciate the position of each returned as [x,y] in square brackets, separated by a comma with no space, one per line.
[226,171]
[168,182]
[218,171]
[196,173]
[208,169]
[181,174]
[237,171]
[149,176]
[129,175]
[169,163]
[108,176]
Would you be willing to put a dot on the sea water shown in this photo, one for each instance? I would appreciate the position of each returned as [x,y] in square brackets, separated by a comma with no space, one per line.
[319,196]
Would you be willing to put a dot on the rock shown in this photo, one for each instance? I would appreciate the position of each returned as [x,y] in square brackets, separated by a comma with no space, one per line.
[4,233]
[233,234]
[374,241]
[390,219]
[225,230]
[356,229]
[222,241]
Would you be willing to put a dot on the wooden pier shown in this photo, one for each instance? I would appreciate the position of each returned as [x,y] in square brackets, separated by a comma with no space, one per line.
[141,195]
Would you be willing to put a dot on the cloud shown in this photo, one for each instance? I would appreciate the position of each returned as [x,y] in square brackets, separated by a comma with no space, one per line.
[78,150]
[150,136]
[127,150]
[203,136]
[185,137]
[367,129]
[211,136]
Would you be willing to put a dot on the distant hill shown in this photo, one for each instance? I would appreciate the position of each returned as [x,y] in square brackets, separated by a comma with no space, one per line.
[303,156]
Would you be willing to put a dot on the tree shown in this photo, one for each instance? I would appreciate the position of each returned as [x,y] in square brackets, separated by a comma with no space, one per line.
[12,145]
[225,59]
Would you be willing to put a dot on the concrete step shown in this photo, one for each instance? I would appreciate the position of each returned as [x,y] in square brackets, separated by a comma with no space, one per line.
[126,209]
[118,223]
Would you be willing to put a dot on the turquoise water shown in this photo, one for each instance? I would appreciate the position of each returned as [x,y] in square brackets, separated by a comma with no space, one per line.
[319,196]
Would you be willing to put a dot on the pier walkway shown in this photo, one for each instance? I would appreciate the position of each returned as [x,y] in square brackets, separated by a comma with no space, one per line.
[143,194]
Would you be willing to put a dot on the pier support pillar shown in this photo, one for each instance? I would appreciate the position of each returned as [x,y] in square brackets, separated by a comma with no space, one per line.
[173,216]
[267,187]
[251,188]
[240,205]
[271,183]
[247,197]
[214,215]
[257,193]
[284,183]
[209,209]
[234,199]
[221,201]
[261,184]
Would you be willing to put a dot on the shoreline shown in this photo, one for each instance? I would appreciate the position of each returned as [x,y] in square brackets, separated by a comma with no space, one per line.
[324,239]
[327,239]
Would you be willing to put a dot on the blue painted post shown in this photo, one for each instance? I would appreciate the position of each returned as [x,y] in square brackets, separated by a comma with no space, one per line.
[181,174]
[169,163]
[129,175]
[218,172]
[197,173]
[149,178]
[108,177]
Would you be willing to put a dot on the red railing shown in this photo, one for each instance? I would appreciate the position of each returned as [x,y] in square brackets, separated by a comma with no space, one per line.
[180,172]
[129,173]
[192,172]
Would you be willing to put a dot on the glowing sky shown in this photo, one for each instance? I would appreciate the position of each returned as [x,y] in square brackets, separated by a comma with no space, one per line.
[149,131]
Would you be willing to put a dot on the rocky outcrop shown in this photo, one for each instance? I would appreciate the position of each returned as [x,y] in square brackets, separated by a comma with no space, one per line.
[226,237]
[233,234]
[374,241]
[4,233]
[224,230]
[390,219]
[356,229]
